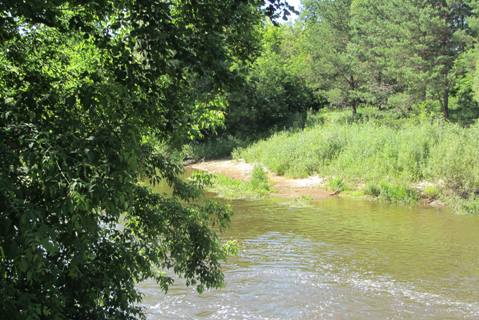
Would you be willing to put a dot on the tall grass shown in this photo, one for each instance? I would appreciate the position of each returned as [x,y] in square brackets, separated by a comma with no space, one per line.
[257,186]
[399,154]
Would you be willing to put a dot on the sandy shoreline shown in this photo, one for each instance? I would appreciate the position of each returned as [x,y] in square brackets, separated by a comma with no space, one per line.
[311,187]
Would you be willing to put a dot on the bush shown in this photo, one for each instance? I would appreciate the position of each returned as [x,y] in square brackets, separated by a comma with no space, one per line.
[213,148]
[398,193]
[258,186]
[269,97]
[259,179]
[454,158]
[348,150]
[468,205]
[337,184]
[431,192]
[392,192]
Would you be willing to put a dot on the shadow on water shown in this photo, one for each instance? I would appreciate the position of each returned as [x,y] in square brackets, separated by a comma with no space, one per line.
[338,259]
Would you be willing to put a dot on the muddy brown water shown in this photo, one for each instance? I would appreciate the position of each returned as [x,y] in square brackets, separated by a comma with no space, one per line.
[337,259]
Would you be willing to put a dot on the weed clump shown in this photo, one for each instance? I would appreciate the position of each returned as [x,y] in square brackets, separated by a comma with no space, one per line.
[336,184]
[257,186]
[259,180]
[392,193]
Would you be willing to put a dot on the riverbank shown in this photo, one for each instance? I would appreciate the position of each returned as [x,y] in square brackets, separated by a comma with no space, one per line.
[403,161]
[311,187]
[416,160]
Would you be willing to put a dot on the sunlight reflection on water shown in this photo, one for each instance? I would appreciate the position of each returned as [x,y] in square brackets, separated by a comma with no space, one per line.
[338,259]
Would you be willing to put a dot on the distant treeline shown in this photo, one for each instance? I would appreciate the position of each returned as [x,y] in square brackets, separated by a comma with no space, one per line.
[405,56]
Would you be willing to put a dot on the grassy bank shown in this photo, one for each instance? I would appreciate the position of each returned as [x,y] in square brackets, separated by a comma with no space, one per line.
[400,161]
[256,187]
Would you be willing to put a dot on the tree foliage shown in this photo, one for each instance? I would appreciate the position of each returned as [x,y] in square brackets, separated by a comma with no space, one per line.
[392,54]
[328,39]
[87,90]
[412,58]
[268,94]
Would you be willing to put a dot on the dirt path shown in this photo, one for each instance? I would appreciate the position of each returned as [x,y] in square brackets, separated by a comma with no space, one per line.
[312,187]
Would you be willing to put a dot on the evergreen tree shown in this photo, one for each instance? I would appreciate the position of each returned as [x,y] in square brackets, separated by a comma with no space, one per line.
[407,49]
[333,71]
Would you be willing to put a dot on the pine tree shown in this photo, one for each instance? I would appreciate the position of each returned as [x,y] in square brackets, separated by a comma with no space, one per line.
[328,33]
[407,49]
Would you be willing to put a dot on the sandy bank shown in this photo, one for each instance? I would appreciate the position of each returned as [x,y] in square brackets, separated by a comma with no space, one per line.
[312,187]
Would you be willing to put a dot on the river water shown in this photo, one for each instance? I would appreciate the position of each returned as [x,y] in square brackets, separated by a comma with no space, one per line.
[337,259]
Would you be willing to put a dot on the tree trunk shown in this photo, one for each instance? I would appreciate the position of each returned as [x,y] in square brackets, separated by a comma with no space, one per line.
[445,102]
[354,102]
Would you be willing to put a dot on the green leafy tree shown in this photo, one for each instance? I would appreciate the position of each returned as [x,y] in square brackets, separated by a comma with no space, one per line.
[333,69]
[269,95]
[449,25]
[87,91]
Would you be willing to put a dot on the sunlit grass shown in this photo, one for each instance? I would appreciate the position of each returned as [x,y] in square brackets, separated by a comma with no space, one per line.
[256,187]
[387,159]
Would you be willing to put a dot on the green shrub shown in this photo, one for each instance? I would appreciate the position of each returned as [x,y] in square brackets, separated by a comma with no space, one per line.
[358,150]
[336,184]
[469,205]
[393,192]
[259,179]
[455,158]
[257,187]
[231,188]
[432,192]
[398,193]
[269,97]
[213,148]
[373,190]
